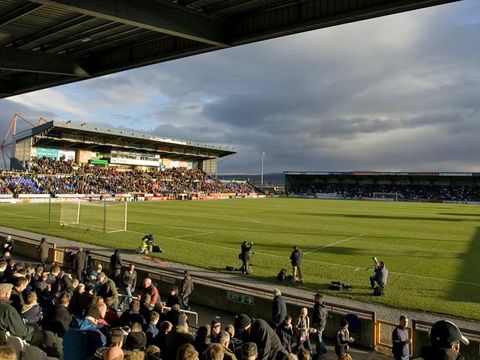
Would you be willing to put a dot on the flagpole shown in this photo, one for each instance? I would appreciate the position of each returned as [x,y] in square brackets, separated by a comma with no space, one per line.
[261,178]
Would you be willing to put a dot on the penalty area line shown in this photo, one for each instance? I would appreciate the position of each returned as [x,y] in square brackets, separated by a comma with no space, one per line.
[336,243]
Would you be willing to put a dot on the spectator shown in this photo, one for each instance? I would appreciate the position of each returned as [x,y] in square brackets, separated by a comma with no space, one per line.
[202,338]
[178,337]
[213,352]
[224,341]
[186,352]
[132,315]
[285,333]
[160,339]
[173,297]
[129,283]
[186,289]
[116,266]
[319,321]
[10,319]
[445,340]
[279,308]
[249,351]
[343,339]
[31,311]
[401,340]
[7,246]
[114,350]
[60,318]
[259,332]
[215,328]
[296,259]
[42,252]
[16,296]
[80,264]
[302,329]
[107,288]
[152,330]
[149,296]
[83,338]
[136,339]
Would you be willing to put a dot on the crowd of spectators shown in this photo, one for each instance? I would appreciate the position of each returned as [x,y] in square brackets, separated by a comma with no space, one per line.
[77,313]
[48,176]
[399,192]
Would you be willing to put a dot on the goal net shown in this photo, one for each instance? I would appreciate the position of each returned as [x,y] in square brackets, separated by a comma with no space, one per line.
[387,196]
[100,215]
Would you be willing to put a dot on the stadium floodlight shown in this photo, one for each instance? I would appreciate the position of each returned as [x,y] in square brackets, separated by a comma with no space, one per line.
[99,215]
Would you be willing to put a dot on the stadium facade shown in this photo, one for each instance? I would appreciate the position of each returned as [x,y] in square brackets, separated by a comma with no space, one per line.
[83,144]
[393,186]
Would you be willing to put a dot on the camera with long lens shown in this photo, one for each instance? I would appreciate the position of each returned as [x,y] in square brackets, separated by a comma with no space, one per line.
[375,261]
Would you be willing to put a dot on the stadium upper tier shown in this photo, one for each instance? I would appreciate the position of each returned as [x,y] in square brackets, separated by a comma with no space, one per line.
[49,176]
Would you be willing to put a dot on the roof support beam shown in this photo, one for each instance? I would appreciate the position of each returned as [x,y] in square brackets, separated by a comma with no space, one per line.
[38,62]
[154,16]
[23,10]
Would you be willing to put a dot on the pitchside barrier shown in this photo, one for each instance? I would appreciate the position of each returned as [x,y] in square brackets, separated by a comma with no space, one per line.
[256,300]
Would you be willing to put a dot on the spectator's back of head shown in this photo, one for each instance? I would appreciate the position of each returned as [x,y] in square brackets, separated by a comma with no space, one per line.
[214,352]
[187,352]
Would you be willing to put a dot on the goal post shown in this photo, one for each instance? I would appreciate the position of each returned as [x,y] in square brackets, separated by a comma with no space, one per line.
[385,196]
[100,215]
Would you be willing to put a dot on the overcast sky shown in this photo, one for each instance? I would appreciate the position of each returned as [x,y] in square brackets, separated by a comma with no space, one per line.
[396,93]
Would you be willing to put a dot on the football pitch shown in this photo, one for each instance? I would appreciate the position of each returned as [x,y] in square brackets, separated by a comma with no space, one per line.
[432,250]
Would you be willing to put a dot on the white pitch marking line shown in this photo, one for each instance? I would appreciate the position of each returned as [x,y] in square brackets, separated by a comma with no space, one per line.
[335,243]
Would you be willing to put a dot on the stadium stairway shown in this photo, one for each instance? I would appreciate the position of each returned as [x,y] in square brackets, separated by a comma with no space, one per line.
[206,314]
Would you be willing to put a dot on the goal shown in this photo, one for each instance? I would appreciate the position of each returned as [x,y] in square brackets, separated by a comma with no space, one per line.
[387,196]
[100,215]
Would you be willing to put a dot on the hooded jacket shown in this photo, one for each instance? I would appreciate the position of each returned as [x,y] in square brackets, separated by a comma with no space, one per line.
[82,340]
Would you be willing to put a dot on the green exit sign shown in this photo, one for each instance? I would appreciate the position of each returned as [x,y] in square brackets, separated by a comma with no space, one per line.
[239,298]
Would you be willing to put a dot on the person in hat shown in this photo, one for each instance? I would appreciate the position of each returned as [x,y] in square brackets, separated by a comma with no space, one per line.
[215,328]
[445,339]
[83,337]
[107,288]
[343,339]
[10,319]
[261,333]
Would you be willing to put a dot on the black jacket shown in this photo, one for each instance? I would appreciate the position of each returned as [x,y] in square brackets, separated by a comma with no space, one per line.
[319,316]
[286,336]
[268,343]
[296,257]
[10,320]
[279,310]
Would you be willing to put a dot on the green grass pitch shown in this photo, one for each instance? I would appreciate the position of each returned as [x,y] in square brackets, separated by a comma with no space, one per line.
[431,250]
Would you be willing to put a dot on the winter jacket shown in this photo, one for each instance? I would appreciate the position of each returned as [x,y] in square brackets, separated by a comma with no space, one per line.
[82,340]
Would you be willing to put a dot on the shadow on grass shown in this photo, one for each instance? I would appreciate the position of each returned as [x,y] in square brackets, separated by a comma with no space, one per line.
[460,214]
[386,217]
[461,291]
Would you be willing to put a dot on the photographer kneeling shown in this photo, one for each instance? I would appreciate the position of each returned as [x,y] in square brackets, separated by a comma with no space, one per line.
[380,276]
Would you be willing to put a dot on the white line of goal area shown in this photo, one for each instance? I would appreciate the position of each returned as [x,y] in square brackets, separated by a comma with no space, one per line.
[312,261]
[336,243]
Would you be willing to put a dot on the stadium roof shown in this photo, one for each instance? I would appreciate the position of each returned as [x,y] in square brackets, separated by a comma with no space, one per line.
[45,43]
[67,134]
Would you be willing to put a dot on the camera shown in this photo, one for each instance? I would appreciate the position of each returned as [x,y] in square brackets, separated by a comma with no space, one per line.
[375,260]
